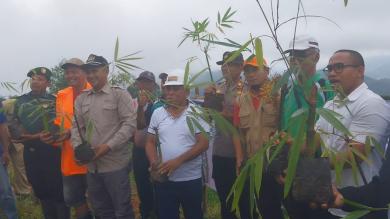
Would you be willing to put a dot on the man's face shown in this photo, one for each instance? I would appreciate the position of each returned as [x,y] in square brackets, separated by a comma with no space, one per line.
[145,84]
[255,76]
[344,72]
[39,83]
[97,77]
[231,71]
[75,76]
[175,94]
[304,61]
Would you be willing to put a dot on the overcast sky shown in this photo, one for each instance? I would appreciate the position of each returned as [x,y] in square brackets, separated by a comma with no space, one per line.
[43,32]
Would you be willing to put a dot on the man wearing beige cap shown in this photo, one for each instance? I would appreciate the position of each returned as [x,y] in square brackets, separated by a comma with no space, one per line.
[74,178]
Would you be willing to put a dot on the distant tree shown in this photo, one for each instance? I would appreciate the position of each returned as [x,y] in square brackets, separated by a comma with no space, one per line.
[57,79]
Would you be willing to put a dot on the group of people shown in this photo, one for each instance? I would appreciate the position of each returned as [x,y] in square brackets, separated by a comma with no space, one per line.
[82,161]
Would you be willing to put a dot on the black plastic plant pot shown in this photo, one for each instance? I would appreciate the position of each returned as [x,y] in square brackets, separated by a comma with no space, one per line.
[312,182]
[280,162]
[84,153]
[214,101]
[158,177]
[54,131]
[15,129]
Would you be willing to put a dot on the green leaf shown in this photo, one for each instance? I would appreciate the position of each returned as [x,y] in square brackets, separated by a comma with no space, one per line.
[294,156]
[227,25]
[186,74]
[330,117]
[355,170]
[237,188]
[356,214]
[219,18]
[116,49]
[345,3]
[361,206]
[190,126]
[377,145]
[259,53]
[193,78]
[236,53]
[258,174]
[360,155]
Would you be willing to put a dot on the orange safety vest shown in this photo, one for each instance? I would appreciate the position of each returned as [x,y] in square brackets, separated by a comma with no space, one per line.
[64,116]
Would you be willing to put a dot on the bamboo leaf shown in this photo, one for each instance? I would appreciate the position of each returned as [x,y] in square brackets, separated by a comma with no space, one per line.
[193,78]
[219,18]
[227,25]
[190,126]
[294,156]
[377,145]
[355,169]
[237,188]
[237,52]
[361,206]
[258,174]
[360,155]
[116,49]
[259,53]
[330,117]
[345,3]
[356,214]
[186,74]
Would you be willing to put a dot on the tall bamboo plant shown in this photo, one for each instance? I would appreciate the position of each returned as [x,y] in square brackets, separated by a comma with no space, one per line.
[304,118]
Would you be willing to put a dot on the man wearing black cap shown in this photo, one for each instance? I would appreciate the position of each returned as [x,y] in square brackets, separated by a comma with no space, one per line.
[105,117]
[224,158]
[42,161]
[146,86]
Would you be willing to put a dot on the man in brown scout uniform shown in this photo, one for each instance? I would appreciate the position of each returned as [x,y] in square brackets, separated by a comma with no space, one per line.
[224,159]
[256,114]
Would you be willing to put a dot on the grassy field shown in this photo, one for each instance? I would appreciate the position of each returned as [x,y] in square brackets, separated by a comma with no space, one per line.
[28,207]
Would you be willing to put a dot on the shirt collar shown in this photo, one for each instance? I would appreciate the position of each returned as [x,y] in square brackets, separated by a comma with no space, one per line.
[105,89]
[355,94]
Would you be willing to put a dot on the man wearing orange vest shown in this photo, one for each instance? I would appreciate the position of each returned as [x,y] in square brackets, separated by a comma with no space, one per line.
[74,175]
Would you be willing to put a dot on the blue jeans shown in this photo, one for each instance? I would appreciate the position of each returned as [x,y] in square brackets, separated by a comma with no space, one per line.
[171,195]
[109,194]
[7,199]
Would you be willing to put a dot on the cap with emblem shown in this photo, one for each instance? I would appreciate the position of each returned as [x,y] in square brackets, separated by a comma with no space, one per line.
[72,62]
[238,60]
[302,42]
[40,71]
[95,61]
[146,75]
[174,79]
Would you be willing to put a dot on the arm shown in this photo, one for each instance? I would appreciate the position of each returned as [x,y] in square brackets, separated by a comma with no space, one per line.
[201,145]
[128,116]
[5,142]
[150,149]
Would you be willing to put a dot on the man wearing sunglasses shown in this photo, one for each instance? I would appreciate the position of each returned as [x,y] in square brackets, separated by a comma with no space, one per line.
[364,114]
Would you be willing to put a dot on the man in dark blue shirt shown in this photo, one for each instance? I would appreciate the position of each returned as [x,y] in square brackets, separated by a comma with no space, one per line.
[7,199]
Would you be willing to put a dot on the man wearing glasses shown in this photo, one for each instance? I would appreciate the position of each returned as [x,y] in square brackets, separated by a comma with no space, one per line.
[364,114]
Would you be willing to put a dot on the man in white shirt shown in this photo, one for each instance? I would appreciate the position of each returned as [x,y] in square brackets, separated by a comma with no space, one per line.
[180,156]
[364,114]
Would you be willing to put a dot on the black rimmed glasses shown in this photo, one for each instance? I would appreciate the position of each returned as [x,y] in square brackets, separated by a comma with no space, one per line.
[337,67]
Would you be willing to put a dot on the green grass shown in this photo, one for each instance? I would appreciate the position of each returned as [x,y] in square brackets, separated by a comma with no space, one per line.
[29,208]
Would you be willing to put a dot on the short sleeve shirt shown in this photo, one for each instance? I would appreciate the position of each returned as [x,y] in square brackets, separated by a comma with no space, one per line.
[364,113]
[175,138]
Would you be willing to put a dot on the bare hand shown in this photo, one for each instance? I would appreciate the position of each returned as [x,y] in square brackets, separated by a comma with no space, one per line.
[143,99]
[100,151]
[5,158]
[281,179]
[26,137]
[210,89]
[169,166]
[46,137]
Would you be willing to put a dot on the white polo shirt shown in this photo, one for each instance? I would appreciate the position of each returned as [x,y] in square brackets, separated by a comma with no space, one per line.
[364,113]
[175,139]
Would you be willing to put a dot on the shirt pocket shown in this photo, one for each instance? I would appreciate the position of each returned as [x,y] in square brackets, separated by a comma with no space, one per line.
[85,108]
[110,112]
[270,116]
[245,119]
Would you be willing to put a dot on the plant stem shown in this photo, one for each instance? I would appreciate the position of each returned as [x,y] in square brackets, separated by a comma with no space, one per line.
[208,65]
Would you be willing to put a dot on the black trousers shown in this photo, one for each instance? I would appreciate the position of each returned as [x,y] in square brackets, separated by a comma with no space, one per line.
[43,170]
[224,175]
[301,210]
[142,180]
